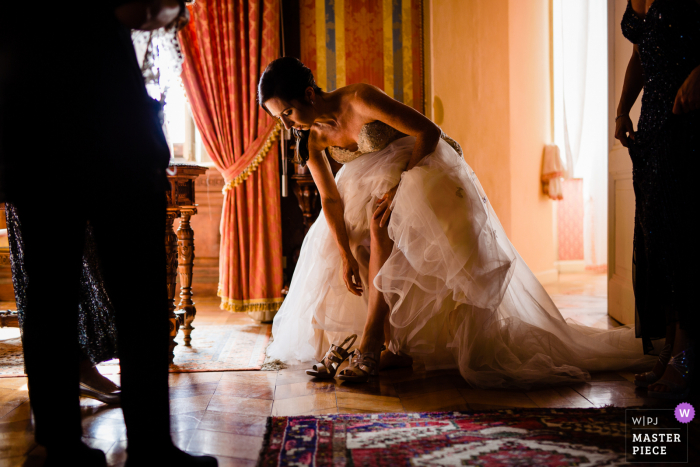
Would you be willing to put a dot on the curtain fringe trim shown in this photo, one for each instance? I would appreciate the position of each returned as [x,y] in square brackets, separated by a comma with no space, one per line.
[244,306]
[253,166]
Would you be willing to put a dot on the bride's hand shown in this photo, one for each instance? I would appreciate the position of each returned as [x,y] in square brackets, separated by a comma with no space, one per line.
[351,275]
[383,209]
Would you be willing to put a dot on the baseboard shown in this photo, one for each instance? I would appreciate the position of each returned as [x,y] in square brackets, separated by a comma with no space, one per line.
[548,276]
[570,265]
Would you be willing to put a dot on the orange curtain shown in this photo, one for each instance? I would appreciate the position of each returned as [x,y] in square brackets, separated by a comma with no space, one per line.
[226,47]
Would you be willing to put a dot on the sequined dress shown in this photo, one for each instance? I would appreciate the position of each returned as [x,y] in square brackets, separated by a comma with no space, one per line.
[96,331]
[460,295]
[665,157]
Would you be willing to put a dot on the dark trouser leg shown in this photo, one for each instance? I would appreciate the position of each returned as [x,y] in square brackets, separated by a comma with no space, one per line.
[53,245]
[130,236]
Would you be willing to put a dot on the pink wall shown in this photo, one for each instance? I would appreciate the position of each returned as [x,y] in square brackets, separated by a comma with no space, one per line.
[490,71]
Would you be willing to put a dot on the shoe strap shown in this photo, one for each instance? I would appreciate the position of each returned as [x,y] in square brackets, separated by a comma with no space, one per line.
[683,363]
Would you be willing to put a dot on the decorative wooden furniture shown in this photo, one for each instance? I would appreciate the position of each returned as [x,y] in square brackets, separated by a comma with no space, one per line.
[307,195]
[179,247]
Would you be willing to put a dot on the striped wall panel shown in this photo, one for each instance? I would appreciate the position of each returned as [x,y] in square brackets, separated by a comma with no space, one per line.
[368,41]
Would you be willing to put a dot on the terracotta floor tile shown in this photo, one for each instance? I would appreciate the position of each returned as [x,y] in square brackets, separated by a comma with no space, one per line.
[113,412]
[19,461]
[16,444]
[17,427]
[117,453]
[293,376]
[448,399]
[608,376]
[373,388]
[482,398]
[245,389]
[104,445]
[304,404]
[10,399]
[558,397]
[103,428]
[249,425]
[314,413]
[351,410]
[240,405]
[628,375]
[182,438]
[425,386]
[253,377]
[185,379]
[23,412]
[14,383]
[225,444]
[369,402]
[186,421]
[306,388]
[190,390]
[608,389]
[189,404]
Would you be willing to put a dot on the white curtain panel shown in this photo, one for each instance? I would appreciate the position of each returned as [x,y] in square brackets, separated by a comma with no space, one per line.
[581,111]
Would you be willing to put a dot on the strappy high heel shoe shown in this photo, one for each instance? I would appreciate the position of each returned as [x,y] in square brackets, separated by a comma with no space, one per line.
[362,366]
[335,356]
[650,377]
[683,363]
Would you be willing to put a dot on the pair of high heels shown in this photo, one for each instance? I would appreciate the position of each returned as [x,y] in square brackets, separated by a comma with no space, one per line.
[683,363]
[363,365]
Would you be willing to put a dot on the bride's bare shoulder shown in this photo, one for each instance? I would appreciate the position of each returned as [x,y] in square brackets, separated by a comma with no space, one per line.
[360,93]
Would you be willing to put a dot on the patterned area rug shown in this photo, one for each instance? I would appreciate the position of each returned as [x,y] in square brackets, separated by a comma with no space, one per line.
[518,437]
[219,347]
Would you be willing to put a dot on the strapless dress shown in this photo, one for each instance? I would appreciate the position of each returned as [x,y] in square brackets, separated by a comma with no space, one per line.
[460,295]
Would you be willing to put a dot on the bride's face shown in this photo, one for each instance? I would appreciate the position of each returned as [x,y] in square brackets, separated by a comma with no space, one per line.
[293,114]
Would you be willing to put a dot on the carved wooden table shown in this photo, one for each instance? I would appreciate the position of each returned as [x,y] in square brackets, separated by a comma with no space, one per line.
[179,247]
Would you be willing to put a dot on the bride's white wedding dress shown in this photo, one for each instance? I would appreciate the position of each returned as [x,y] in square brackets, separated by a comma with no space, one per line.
[460,294]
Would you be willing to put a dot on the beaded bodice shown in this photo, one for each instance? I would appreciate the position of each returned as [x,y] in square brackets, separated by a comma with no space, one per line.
[668,38]
[375,136]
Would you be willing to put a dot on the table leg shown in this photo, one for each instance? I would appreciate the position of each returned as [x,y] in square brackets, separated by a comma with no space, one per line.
[185,249]
[171,265]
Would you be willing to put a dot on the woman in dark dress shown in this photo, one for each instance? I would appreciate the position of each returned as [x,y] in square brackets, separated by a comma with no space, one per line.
[96,333]
[664,151]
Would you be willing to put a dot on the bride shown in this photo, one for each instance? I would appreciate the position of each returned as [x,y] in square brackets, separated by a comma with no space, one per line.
[409,254]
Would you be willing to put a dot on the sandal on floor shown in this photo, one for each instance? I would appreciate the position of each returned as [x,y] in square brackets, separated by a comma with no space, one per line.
[362,367]
[335,356]
[650,377]
[683,363]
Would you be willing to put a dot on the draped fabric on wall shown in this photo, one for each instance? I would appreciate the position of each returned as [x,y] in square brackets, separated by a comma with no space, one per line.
[580,53]
[379,42]
[226,47]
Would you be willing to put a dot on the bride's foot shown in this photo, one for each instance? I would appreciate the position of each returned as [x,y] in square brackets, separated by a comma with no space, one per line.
[650,377]
[363,365]
[674,383]
[390,359]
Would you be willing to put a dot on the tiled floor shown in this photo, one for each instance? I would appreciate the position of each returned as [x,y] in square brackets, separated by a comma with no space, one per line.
[224,414]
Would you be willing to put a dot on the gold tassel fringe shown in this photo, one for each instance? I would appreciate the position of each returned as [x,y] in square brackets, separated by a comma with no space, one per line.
[244,306]
[252,167]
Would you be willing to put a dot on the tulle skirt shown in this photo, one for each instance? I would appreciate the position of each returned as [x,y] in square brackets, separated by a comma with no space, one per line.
[460,294]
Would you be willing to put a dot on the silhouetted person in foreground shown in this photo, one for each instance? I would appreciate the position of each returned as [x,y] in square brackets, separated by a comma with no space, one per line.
[81,141]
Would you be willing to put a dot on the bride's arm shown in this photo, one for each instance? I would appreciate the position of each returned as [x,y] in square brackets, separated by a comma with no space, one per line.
[334,212]
[373,104]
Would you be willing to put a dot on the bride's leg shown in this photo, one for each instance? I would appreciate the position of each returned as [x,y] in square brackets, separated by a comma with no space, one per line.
[377,327]
[378,311]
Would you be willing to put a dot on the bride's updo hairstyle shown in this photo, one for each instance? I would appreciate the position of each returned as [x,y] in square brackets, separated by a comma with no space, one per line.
[287,78]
